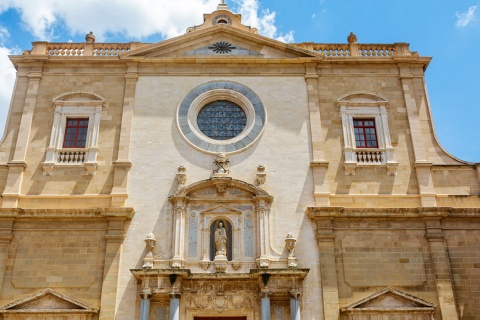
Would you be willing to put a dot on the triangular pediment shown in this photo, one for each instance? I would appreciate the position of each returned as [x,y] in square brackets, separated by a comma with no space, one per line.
[390,299]
[219,41]
[221,209]
[48,300]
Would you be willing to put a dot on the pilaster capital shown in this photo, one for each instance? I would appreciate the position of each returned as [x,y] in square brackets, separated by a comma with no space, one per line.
[294,293]
[146,294]
[265,294]
[175,295]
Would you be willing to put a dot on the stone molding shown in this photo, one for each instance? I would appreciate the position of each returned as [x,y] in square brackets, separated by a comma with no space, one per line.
[126,213]
[420,212]
[390,302]
[39,303]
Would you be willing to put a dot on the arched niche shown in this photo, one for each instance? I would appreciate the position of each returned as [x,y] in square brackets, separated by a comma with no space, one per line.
[198,208]
[214,226]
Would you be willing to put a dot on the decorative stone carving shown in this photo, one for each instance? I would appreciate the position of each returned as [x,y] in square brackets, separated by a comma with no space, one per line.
[181,176]
[220,263]
[236,264]
[392,168]
[48,168]
[261,175]
[205,263]
[195,225]
[221,183]
[90,168]
[263,262]
[290,241]
[222,162]
[150,245]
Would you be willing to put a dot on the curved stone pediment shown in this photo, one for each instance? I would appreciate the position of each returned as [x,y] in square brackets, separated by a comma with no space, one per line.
[214,186]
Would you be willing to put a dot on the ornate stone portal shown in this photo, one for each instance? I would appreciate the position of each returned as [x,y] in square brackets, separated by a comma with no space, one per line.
[222,263]
[254,295]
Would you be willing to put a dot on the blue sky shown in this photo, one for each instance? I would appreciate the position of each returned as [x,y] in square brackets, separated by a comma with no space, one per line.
[448,31]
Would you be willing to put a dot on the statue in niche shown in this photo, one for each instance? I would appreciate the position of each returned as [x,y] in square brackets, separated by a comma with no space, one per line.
[220,240]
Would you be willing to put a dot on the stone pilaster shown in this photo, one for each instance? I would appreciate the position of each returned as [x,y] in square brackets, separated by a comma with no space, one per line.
[122,164]
[422,165]
[6,226]
[114,238]
[179,233]
[17,165]
[264,224]
[328,269]
[441,268]
[319,165]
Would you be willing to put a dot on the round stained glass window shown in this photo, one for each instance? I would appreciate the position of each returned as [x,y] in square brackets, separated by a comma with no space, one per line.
[221,120]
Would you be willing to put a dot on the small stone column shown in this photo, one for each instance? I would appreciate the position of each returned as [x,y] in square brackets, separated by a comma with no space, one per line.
[145,306]
[294,306]
[265,306]
[174,306]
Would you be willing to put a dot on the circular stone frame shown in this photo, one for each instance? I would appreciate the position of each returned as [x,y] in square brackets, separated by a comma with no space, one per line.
[234,92]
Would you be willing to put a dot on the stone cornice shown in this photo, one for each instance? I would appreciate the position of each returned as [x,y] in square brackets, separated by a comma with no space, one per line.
[122,213]
[254,273]
[420,212]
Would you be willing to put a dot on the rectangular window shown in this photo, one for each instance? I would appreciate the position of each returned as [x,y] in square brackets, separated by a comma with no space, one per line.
[75,133]
[365,133]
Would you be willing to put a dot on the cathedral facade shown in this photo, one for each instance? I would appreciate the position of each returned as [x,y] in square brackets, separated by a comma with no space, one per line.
[225,175]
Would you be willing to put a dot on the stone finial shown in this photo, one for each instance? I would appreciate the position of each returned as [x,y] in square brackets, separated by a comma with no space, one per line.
[90,38]
[352,38]
[290,242]
[150,245]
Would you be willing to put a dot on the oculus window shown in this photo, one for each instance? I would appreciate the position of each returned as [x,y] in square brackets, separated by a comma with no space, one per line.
[221,120]
[221,116]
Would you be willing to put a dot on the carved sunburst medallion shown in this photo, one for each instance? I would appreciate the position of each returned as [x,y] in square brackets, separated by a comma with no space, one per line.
[222,47]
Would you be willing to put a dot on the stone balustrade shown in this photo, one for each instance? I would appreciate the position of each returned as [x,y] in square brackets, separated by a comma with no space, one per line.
[358,49]
[323,49]
[82,49]
[370,157]
[71,156]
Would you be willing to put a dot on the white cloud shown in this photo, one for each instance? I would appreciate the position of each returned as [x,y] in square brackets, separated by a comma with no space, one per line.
[133,19]
[130,18]
[264,21]
[7,80]
[4,34]
[465,18]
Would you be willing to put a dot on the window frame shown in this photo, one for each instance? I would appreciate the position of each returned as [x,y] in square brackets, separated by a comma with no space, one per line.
[361,105]
[365,135]
[76,105]
[77,133]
